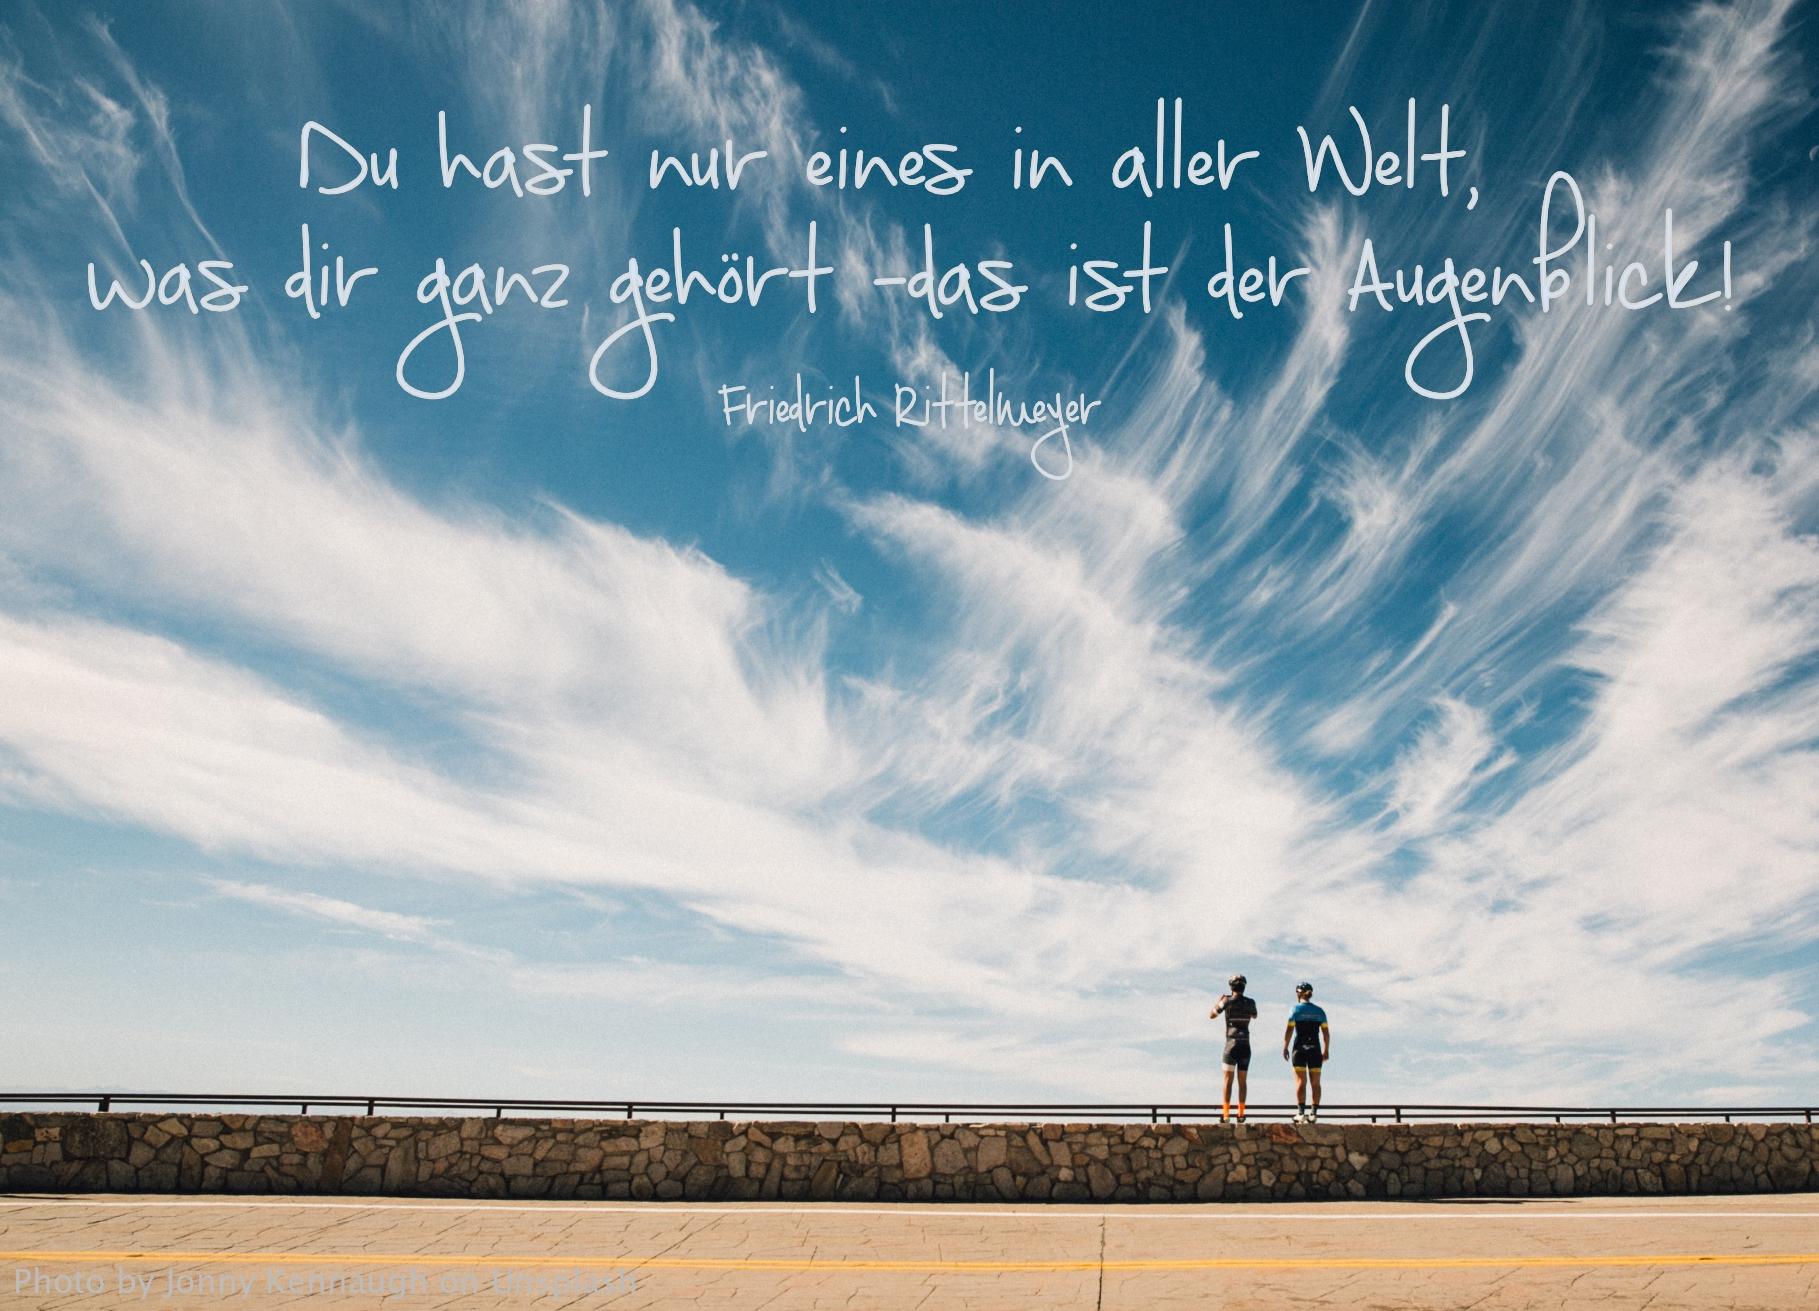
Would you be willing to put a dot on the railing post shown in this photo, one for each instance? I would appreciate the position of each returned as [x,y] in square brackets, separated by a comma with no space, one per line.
[104,1103]
[1398,1115]
[303,1109]
[369,1105]
[1613,1115]
[893,1115]
[628,1110]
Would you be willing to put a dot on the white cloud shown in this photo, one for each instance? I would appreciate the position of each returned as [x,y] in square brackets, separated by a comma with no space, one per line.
[386,923]
[841,594]
[1556,481]
[1435,774]
[135,727]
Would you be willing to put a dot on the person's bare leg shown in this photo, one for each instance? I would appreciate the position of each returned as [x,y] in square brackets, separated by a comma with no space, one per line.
[1225,1096]
[1313,1077]
[1244,1080]
[1300,1090]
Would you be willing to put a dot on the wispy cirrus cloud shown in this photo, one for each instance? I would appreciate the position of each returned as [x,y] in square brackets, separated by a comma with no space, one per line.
[1259,681]
[334,910]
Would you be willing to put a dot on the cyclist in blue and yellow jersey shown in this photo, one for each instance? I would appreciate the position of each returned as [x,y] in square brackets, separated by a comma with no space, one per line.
[1312,1043]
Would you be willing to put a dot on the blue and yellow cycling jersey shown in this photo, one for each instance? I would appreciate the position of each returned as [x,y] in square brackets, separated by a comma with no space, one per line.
[1308,1020]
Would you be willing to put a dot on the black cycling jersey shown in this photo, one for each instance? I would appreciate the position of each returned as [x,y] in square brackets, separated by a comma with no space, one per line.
[1239,1012]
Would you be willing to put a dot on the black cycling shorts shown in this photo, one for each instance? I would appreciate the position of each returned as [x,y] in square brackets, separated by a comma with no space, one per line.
[1237,1056]
[1306,1058]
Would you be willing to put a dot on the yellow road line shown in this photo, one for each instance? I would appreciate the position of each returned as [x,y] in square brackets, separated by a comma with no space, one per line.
[954,1267]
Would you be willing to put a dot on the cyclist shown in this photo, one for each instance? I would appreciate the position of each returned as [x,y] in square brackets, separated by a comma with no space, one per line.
[1239,1011]
[1312,1042]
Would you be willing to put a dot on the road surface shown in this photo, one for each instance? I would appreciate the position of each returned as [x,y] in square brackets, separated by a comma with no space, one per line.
[94,1252]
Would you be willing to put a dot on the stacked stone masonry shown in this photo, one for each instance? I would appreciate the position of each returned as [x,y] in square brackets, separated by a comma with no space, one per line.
[839,1161]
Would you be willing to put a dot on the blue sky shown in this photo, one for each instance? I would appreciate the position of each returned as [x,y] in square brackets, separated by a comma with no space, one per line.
[529,742]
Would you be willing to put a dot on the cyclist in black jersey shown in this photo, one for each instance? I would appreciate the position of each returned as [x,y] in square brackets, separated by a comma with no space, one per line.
[1239,1011]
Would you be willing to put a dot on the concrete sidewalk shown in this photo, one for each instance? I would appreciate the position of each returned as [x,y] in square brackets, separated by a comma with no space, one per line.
[97,1252]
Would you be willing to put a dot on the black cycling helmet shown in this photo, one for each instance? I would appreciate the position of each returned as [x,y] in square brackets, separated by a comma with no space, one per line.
[1236,983]
[1306,987]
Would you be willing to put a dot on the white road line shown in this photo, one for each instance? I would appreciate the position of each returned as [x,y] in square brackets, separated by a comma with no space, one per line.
[1216,1211]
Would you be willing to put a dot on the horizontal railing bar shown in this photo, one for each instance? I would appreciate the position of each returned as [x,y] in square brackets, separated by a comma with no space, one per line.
[1148,1111]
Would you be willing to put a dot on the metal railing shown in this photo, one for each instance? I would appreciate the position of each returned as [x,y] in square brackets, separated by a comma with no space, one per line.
[1154,1113]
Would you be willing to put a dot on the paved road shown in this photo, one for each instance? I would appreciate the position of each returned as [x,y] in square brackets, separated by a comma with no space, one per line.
[94,1252]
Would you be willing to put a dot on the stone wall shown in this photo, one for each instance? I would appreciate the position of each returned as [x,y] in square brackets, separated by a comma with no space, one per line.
[714,1160]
